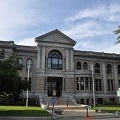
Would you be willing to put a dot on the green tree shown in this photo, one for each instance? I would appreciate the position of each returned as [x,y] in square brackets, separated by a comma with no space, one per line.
[8,73]
[10,81]
[118,33]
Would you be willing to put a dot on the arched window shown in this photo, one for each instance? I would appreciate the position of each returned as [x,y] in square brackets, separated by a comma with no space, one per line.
[97,68]
[29,64]
[20,61]
[109,69]
[55,60]
[85,66]
[118,69]
[78,65]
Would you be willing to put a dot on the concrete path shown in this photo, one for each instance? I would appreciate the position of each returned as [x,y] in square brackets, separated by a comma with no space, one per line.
[74,113]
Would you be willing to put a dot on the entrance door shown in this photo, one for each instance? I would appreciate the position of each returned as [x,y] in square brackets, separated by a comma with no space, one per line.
[54,86]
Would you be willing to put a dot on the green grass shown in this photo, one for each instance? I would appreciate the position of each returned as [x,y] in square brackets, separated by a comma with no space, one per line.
[22,111]
[108,108]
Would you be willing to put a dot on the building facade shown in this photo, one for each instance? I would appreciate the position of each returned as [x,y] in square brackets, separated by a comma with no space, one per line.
[56,68]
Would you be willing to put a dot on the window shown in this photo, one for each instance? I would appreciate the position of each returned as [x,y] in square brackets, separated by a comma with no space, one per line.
[78,66]
[110,84]
[109,69]
[55,60]
[98,85]
[85,66]
[20,63]
[86,83]
[97,68]
[29,64]
[77,83]
[118,69]
[91,83]
[82,85]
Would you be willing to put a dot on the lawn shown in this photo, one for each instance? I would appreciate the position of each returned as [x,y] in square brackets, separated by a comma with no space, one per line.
[108,108]
[23,111]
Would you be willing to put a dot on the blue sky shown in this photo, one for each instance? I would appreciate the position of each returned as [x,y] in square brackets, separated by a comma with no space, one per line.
[89,22]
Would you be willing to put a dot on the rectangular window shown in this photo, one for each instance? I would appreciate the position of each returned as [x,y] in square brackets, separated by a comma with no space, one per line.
[77,84]
[110,84]
[98,85]
[86,83]
[49,63]
[82,86]
[91,83]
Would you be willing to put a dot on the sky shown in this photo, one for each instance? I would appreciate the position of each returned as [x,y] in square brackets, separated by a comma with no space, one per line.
[89,22]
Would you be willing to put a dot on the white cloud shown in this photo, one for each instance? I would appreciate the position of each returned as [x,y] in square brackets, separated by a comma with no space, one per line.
[18,17]
[112,49]
[104,46]
[107,13]
[27,42]
[87,29]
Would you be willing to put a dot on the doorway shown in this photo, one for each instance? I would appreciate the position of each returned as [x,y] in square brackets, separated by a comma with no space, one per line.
[54,86]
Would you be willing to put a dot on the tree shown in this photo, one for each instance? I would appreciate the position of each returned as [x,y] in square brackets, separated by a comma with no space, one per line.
[118,33]
[11,84]
[8,73]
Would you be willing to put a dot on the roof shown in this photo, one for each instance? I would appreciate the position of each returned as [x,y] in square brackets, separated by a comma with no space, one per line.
[58,33]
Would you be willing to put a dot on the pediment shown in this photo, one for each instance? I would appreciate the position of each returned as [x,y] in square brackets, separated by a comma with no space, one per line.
[55,36]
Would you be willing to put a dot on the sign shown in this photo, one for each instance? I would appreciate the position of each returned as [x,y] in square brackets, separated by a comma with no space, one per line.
[54,92]
[53,99]
[118,92]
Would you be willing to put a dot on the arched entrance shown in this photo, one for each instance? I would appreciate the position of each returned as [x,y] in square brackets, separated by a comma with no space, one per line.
[54,85]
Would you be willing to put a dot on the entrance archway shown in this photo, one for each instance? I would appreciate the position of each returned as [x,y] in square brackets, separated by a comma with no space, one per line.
[54,85]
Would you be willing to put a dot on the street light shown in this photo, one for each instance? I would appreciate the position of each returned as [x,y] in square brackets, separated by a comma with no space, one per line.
[27,81]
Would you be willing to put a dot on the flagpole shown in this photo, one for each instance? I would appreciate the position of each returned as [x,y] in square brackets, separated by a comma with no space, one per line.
[27,81]
[93,86]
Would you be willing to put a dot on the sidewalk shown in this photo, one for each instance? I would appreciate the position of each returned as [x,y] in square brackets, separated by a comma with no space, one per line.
[81,112]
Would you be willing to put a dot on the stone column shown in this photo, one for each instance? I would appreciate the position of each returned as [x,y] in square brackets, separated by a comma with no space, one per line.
[63,84]
[43,57]
[72,60]
[67,59]
[38,57]
[115,76]
[104,77]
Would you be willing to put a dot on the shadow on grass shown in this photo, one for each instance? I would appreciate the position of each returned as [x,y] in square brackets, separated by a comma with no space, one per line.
[26,113]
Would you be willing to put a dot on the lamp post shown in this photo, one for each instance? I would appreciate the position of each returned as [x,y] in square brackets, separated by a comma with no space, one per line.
[27,81]
[93,85]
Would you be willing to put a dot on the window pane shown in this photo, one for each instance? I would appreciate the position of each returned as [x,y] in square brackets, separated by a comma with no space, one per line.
[85,66]
[78,65]
[60,61]
[77,85]
[20,61]
[49,60]
[55,59]
[82,83]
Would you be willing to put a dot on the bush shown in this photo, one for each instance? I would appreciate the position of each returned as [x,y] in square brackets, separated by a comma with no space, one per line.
[31,102]
[110,103]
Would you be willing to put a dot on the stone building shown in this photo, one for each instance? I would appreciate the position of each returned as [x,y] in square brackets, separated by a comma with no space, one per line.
[56,68]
